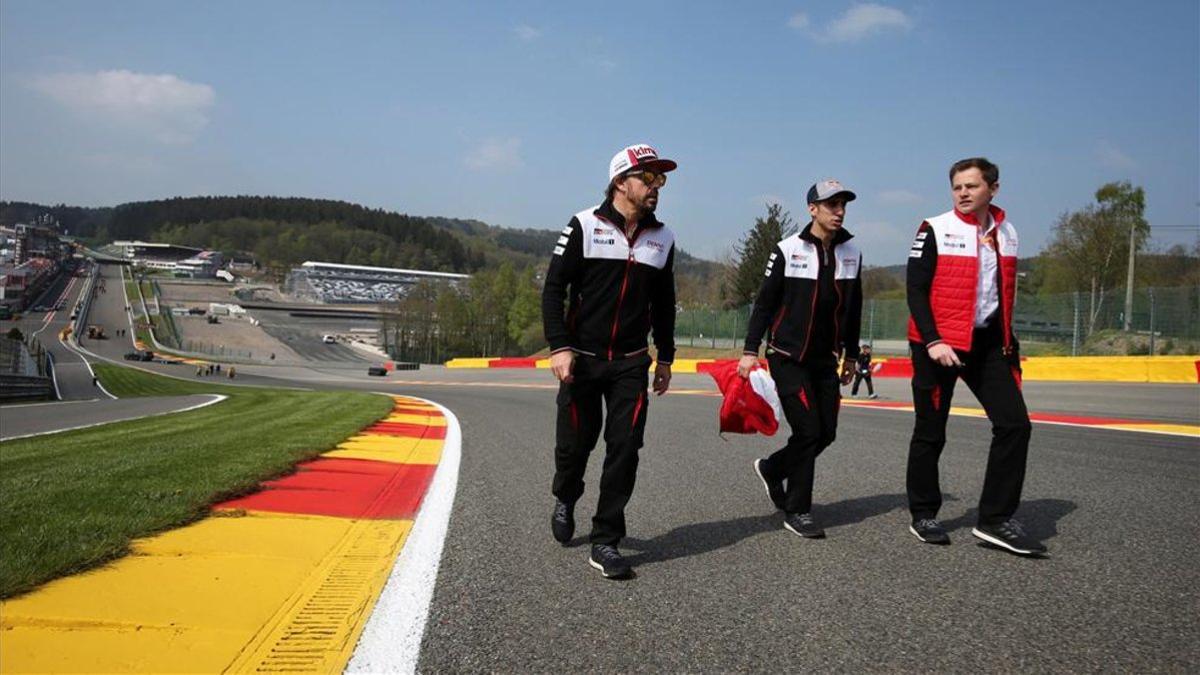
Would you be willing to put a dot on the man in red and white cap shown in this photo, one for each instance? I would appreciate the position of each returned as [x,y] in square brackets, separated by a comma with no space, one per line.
[613,266]
[962,279]
[811,304]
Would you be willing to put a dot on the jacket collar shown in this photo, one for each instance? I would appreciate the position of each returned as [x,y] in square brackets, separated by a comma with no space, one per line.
[608,212]
[996,212]
[840,237]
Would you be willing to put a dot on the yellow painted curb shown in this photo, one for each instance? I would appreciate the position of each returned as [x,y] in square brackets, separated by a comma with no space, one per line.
[192,599]
[687,365]
[467,363]
[1111,368]
[423,420]
[235,592]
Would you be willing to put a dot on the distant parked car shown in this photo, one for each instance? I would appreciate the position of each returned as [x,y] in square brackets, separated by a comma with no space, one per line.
[377,371]
[328,339]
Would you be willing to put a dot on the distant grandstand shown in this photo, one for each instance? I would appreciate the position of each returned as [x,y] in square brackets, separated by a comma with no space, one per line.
[331,282]
[181,261]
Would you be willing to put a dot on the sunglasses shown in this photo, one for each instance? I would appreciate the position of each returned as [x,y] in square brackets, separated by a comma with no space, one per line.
[650,178]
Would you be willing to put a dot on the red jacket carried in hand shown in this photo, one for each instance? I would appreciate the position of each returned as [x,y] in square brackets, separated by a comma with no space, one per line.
[749,405]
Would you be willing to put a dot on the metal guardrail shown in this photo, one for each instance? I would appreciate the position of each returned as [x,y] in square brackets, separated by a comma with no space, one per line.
[85,302]
[25,387]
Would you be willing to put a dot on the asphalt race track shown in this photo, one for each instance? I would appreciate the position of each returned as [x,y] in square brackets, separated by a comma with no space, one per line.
[71,374]
[31,419]
[720,585]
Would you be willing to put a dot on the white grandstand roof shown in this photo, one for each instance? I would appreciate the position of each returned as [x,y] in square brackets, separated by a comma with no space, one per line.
[152,244]
[386,270]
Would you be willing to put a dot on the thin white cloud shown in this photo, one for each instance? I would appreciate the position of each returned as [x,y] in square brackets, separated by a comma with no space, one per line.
[882,242]
[527,33]
[602,64]
[496,153]
[861,21]
[167,108]
[1110,156]
[899,197]
[799,21]
[125,163]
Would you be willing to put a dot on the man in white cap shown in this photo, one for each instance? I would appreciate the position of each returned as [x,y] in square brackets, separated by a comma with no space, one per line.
[811,304]
[613,266]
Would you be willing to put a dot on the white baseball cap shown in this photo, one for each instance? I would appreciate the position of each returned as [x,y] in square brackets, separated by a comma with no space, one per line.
[638,156]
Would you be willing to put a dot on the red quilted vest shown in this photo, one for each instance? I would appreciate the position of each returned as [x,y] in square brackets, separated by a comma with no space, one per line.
[952,296]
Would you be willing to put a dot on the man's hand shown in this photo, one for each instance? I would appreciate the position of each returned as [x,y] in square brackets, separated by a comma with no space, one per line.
[746,364]
[561,364]
[662,378]
[848,365]
[944,355]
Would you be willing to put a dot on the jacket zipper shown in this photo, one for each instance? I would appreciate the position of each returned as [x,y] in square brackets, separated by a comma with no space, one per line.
[612,340]
[837,308]
[812,312]
[1004,324]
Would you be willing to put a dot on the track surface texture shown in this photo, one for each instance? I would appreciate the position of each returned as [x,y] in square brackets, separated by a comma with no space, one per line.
[721,586]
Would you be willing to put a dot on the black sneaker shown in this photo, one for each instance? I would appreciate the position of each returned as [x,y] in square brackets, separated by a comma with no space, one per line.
[1010,536]
[562,523]
[774,487]
[803,525]
[610,562]
[930,531]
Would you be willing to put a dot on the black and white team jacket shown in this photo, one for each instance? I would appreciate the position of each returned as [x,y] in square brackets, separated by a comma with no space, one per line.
[787,300]
[619,287]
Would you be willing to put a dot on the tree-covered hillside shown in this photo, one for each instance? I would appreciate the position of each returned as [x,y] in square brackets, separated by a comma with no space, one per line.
[281,232]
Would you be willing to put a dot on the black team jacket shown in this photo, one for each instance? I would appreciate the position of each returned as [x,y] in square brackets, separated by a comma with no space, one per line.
[619,288]
[787,302]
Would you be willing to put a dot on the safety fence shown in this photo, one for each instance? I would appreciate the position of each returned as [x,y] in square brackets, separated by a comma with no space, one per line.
[210,349]
[1163,321]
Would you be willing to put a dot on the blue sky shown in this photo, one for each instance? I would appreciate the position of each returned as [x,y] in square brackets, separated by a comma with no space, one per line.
[509,112]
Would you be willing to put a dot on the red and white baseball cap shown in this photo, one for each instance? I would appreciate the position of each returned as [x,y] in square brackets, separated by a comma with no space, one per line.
[640,156]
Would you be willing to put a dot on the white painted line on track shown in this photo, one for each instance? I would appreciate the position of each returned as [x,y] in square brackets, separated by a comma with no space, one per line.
[978,414]
[217,398]
[54,376]
[391,640]
[79,351]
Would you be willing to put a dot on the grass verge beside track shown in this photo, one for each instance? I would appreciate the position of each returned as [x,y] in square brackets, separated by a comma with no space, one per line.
[74,500]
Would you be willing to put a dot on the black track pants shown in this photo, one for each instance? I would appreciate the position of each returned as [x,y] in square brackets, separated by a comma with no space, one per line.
[995,379]
[811,397]
[859,377]
[620,386]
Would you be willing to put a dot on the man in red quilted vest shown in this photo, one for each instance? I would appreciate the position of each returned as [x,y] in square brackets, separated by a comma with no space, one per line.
[962,278]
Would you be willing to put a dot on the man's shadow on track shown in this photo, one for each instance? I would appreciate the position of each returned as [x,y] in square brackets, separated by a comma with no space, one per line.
[699,538]
[1039,516]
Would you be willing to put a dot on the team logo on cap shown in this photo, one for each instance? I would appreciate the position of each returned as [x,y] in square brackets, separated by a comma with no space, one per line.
[640,152]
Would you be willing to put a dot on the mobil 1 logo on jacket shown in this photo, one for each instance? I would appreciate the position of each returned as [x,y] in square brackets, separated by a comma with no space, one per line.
[603,240]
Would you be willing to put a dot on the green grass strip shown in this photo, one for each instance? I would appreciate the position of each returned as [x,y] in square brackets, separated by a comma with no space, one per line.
[74,500]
